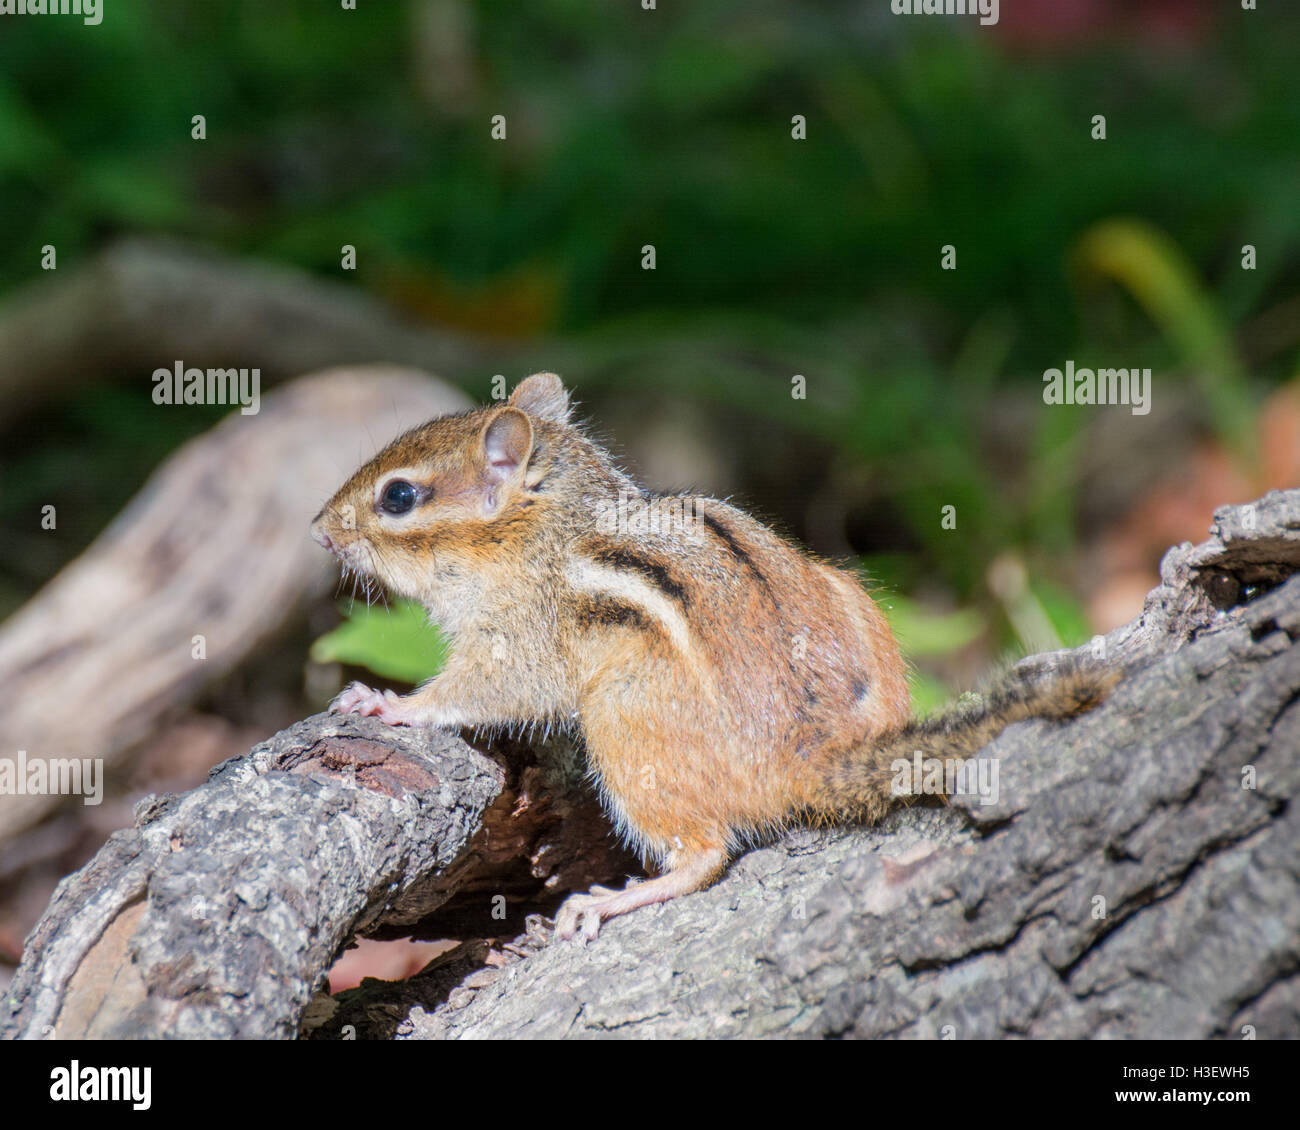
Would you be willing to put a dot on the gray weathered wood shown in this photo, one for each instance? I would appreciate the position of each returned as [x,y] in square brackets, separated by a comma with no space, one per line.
[219,913]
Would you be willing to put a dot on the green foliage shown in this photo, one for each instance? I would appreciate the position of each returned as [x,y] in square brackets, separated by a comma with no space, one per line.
[395,643]
[928,693]
[625,123]
[775,257]
[1160,277]
[920,633]
[1065,613]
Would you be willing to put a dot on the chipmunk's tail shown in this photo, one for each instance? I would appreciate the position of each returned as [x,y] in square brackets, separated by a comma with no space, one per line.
[862,785]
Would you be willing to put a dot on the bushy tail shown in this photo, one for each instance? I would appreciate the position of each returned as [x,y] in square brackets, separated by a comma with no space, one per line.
[859,786]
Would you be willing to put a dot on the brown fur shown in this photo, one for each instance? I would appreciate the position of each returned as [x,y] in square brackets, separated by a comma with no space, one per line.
[725,683]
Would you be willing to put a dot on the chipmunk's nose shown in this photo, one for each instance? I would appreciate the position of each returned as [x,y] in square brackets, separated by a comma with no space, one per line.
[321,536]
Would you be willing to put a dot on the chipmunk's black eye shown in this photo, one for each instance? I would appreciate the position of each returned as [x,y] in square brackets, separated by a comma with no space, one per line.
[398,498]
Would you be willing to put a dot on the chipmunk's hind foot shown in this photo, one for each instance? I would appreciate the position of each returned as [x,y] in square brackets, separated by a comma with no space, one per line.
[688,871]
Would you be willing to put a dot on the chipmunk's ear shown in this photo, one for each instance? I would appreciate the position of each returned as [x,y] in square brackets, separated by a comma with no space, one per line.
[542,395]
[507,443]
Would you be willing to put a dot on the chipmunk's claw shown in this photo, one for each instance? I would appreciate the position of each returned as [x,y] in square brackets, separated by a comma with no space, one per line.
[582,914]
[357,698]
[688,870]
[579,915]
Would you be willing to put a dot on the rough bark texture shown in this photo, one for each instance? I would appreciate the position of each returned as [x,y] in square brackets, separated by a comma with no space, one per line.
[218,914]
[1139,875]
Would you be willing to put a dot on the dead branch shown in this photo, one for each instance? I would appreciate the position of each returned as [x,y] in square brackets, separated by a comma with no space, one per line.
[1138,876]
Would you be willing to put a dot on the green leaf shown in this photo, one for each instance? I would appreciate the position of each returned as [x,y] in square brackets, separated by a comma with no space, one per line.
[396,643]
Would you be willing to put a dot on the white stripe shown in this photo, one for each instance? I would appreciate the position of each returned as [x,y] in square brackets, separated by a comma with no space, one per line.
[587,576]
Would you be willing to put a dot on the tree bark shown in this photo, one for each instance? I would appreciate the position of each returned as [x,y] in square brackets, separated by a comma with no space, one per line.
[1137,876]
[218,914]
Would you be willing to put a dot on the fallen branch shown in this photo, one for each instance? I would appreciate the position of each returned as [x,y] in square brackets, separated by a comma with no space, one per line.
[220,912]
[1138,876]
[217,915]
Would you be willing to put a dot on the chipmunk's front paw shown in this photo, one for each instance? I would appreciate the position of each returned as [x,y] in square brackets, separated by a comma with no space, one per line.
[357,698]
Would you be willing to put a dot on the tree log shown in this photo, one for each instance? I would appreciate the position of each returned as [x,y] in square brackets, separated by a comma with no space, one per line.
[1137,876]
[218,914]
[1134,880]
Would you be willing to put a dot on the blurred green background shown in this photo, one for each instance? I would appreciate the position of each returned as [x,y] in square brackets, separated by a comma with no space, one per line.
[775,256]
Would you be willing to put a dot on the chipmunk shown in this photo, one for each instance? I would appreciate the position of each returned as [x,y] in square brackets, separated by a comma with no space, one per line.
[725,683]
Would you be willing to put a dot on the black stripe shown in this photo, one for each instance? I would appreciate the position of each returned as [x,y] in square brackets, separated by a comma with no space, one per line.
[737,550]
[655,572]
[607,610]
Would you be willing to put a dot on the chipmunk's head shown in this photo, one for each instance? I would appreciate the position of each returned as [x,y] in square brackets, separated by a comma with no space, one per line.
[447,498]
